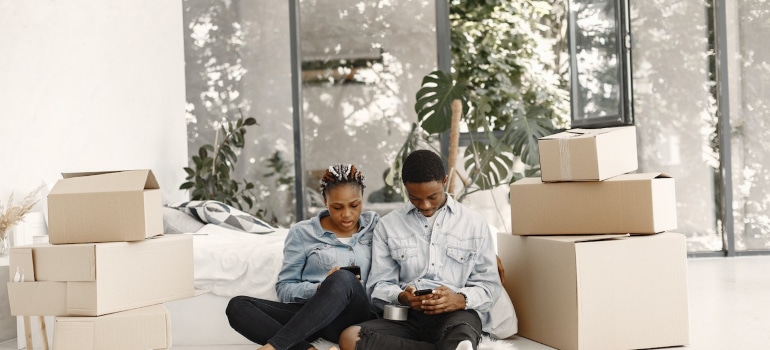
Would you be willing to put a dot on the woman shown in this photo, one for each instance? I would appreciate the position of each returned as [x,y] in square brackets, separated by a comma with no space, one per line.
[318,299]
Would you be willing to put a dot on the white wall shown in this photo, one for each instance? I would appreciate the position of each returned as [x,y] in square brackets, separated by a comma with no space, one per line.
[91,85]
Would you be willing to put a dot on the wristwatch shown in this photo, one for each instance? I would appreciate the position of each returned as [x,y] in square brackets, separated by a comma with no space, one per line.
[466,300]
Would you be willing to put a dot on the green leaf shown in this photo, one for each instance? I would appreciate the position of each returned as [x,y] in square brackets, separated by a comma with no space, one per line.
[206,165]
[434,101]
[488,167]
[522,134]
[186,185]
[249,121]
[248,201]
[197,161]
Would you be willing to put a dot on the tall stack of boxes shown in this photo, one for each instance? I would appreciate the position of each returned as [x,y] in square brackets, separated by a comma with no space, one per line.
[108,268]
[590,264]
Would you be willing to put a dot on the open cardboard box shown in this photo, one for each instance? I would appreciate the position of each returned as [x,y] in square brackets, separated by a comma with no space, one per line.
[588,154]
[642,203]
[105,207]
[599,291]
[92,279]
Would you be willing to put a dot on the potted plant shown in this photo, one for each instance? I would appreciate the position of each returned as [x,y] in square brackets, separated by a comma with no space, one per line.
[209,178]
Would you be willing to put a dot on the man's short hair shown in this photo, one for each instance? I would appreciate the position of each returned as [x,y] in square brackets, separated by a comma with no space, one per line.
[422,166]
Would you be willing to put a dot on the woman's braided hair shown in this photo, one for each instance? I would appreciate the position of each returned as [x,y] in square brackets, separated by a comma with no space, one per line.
[340,174]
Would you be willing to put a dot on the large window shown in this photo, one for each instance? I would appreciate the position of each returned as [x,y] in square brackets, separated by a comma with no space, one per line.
[700,72]
[361,66]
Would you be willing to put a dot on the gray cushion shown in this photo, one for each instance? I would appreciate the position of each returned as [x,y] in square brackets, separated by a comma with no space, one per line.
[218,213]
[177,221]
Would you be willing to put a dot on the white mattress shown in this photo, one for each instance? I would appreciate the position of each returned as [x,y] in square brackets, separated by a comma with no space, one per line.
[230,262]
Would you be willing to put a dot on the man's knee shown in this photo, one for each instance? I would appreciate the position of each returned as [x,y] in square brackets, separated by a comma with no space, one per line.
[349,337]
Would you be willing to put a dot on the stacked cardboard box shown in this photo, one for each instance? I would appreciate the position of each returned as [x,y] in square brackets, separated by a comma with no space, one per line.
[108,268]
[589,264]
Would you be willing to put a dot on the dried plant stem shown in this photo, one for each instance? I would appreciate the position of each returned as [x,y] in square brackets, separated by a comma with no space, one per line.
[10,214]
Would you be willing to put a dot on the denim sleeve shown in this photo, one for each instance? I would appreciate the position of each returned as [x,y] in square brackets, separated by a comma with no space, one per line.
[483,286]
[382,286]
[290,286]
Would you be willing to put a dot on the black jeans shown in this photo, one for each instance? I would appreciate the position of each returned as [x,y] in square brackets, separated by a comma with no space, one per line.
[421,331]
[340,302]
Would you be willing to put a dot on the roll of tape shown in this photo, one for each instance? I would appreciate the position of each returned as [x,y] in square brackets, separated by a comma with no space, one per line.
[395,312]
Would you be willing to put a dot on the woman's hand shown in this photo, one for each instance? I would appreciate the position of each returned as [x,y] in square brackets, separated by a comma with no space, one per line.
[337,268]
[333,270]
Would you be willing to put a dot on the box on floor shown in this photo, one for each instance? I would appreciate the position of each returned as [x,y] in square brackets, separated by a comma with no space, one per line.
[588,154]
[599,291]
[143,328]
[643,203]
[92,279]
[105,207]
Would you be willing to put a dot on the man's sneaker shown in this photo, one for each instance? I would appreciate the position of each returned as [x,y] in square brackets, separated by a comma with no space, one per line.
[465,345]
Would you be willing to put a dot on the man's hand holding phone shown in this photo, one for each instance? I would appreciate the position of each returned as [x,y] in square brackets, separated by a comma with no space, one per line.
[413,297]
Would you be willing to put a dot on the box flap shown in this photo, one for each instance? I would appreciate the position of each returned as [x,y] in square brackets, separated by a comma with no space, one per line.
[528,181]
[582,238]
[37,298]
[21,265]
[639,176]
[65,262]
[117,181]
[573,133]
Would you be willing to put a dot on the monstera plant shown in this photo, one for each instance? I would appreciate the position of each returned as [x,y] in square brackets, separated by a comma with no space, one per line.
[443,104]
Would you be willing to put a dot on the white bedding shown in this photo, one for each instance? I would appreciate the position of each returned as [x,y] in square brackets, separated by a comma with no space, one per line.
[230,262]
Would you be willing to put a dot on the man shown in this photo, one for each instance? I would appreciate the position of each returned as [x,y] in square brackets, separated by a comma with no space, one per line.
[433,243]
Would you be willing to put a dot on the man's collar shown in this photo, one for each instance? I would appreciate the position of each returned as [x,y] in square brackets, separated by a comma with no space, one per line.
[450,203]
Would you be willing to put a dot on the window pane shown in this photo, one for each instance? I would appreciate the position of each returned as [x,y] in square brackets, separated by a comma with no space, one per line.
[237,61]
[674,110]
[363,63]
[748,25]
[597,64]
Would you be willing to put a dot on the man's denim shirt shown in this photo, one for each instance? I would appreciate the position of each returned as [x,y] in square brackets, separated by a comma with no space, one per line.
[459,254]
[310,252]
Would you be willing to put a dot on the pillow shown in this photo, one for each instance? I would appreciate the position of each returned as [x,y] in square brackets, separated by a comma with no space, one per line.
[177,221]
[218,213]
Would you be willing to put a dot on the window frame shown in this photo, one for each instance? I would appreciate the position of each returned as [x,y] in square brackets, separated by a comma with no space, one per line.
[625,115]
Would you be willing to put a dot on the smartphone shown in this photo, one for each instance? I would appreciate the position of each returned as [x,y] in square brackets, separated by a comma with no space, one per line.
[423,292]
[356,270]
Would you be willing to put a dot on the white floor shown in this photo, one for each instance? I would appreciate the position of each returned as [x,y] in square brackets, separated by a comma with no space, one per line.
[729,307]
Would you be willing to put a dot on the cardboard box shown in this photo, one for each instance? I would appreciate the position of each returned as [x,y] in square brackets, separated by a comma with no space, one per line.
[144,328]
[588,154]
[599,291]
[92,279]
[105,207]
[631,203]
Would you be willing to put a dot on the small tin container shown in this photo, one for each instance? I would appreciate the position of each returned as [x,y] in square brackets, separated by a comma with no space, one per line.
[395,312]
